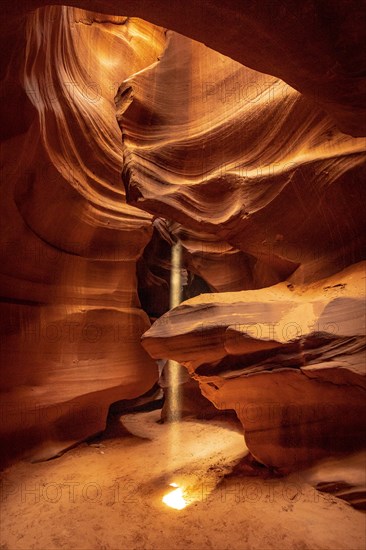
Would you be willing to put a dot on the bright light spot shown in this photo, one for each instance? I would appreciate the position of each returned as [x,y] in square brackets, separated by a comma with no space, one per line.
[175,499]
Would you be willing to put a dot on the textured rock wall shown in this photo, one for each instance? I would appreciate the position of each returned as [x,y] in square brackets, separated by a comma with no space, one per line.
[251,169]
[265,181]
[71,317]
[318,48]
[290,360]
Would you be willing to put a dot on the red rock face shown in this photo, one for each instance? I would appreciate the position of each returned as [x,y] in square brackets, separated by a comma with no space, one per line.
[71,317]
[250,170]
[260,180]
[289,361]
[317,48]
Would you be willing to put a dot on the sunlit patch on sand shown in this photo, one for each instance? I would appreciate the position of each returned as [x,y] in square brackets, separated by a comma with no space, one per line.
[175,499]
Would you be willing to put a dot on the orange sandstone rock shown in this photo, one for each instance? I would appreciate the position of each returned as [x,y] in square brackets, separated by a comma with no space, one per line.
[289,361]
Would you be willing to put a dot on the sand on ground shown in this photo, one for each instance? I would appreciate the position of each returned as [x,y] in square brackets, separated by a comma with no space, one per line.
[107,495]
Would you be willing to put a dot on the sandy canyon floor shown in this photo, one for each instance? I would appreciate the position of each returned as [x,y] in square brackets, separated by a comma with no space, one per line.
[107,495]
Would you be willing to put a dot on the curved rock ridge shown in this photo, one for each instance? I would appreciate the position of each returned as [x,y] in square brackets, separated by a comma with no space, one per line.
[71,317]
[254,179]
[290,360]
[72,85]
[270,175]
[317,47]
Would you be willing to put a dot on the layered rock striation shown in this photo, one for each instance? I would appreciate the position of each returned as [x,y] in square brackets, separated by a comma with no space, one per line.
[262,181]
[256,173]
[290,360]
[317,48]
[71,319]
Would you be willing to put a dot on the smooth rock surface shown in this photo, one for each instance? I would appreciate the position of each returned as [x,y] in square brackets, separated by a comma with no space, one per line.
[70,315]
[251,172]
[289,360]
[269,179]
[317,48]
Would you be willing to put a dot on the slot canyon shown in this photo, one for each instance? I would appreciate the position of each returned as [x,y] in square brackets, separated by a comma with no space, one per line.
[183,275]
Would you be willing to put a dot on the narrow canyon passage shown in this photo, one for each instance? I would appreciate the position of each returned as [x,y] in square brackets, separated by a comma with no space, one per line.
[182,309]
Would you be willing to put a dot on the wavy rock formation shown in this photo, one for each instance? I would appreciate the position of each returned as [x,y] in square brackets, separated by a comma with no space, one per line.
[290,360]
[318,48]
[71,317]
[268,175]
[251,172]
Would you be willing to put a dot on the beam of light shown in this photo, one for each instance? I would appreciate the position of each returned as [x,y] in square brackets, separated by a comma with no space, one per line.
[175,275]
[174,370]
[176,374]
[175,499]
